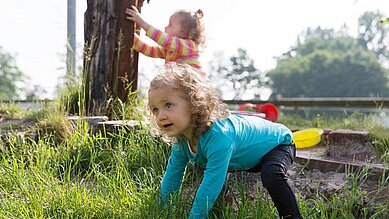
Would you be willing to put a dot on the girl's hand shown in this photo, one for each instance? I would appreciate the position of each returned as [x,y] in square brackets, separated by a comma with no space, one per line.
[136,17]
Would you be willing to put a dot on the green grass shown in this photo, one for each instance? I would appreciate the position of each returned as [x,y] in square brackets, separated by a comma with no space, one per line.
[102,176]
[71,172]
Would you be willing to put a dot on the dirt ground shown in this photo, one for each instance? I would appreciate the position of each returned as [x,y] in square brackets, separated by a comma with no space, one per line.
[311,182]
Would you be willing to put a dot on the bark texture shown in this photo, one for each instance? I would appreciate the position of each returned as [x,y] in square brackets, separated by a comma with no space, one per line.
[110,65]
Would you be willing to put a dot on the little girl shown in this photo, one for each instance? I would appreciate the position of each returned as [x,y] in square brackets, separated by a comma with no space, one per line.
[186,107]
[179,43]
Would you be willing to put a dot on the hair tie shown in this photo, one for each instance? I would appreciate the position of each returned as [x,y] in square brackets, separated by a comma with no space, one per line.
[199,13]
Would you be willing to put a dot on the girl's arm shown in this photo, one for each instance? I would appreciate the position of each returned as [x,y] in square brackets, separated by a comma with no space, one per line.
[219,152]
[184,47]
[175,169]
[136,17]
[147,50]
[139,45]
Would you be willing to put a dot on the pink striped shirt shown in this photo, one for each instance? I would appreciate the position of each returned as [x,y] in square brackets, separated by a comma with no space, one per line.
[170,48]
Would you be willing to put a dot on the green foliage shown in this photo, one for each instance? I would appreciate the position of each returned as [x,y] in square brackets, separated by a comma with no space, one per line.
[329,64]
[373,36]
[11,110]
[381,142]
[54,126]
[72,100]
[239,73]
[355,121]
[82,177]
[10,76]
[133,109]
[35,92]
[384,21]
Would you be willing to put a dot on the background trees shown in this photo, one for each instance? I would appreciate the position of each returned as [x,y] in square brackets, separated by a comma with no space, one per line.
[373,35]
[337,66]
[325,63]
[237,75]
[10,76]
[322,63]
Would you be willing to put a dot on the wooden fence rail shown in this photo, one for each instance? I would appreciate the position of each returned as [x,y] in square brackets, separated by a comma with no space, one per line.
[360,102]
[344,102]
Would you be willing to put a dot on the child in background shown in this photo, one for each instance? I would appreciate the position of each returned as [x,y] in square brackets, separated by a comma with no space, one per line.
[187,108]
[179,43]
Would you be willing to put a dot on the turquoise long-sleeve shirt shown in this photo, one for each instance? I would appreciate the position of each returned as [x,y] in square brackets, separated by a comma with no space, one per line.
[236,143]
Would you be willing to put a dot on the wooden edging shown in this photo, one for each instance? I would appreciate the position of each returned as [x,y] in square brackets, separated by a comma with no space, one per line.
[375,102]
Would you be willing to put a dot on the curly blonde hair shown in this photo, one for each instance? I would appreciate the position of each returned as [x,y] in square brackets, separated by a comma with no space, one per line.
[205,102]
[192,24]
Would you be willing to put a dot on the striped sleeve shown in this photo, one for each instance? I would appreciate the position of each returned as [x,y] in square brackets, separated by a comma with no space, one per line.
[183,47]
[147,50]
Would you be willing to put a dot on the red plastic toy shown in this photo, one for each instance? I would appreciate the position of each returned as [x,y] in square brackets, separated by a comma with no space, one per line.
[270,110]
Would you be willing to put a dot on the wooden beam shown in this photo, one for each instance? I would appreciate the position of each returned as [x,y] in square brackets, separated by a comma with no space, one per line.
[377,102]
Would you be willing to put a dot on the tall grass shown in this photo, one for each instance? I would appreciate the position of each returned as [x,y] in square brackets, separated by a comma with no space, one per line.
[68,171]
[107,175]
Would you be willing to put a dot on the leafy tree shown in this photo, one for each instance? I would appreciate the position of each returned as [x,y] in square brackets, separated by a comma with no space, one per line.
[373,35]
[318,39]
[218,79]
[384,21]
[10,76]
[328,64]
[238,73]
[35,92]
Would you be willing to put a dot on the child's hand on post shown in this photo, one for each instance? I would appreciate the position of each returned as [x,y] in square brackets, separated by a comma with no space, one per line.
[135,16]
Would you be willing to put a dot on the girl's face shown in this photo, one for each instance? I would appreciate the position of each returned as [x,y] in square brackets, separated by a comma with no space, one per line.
[174,28]
[172,112]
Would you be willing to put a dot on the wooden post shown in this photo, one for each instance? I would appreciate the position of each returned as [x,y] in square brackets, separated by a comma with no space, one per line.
[110,65]
[71,39]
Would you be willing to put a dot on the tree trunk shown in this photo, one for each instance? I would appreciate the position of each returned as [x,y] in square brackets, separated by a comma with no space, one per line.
[110,65]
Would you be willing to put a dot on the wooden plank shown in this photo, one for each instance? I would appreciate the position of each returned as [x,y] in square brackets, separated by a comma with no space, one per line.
[375,102]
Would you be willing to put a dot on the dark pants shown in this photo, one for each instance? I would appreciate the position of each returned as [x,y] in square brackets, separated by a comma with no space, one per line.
[273,168]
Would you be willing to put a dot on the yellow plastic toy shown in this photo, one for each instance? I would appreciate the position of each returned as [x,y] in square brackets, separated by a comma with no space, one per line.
[307,137]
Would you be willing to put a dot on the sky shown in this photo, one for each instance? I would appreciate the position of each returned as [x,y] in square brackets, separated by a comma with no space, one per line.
[34,32]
